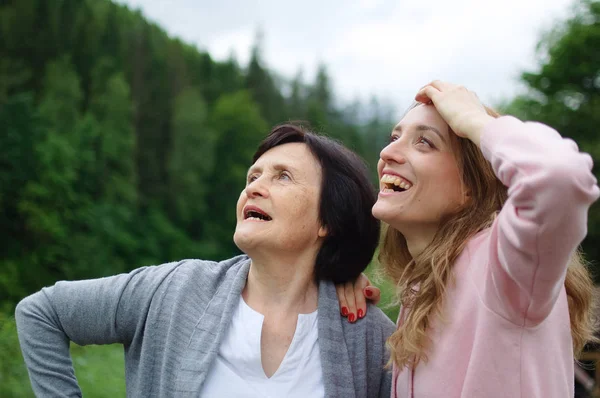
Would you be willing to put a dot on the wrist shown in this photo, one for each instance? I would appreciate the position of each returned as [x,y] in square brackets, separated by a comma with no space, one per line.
[478,125]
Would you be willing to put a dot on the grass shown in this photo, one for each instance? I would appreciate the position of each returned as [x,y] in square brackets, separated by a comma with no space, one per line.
[14,381]
[387,302]
[100,370]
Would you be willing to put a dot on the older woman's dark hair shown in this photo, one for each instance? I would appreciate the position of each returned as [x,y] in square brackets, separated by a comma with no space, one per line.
[347,197]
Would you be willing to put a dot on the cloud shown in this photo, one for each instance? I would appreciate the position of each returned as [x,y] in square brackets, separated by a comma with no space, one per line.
[373,47]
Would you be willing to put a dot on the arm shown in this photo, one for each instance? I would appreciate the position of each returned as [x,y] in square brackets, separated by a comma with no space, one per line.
[550,189]
[99,311]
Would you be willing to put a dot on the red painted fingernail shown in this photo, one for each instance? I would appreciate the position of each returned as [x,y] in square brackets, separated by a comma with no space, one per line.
[368,292]
[351,317]
[360,314]
[344,311]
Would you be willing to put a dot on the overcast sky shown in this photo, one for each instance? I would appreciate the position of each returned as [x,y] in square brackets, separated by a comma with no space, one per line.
[372,47]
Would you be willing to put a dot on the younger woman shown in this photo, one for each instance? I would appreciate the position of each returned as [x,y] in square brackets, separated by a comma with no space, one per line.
[484,218]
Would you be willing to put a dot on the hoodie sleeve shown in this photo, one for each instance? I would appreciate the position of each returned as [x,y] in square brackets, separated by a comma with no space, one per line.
[550,189]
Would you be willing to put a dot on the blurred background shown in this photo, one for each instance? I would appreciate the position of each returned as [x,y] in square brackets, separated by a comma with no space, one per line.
[127,127]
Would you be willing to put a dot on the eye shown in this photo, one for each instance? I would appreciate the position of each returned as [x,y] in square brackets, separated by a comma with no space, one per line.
[393,138]
[285,176]
[424,141]
[251,178]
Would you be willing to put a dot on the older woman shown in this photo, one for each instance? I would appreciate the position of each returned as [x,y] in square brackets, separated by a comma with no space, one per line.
[263,324]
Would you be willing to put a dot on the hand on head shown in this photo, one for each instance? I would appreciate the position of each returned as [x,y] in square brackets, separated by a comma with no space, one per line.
[460,108]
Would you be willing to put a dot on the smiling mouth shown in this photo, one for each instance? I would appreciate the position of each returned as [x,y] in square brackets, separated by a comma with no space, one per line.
[391,183]
[256,215]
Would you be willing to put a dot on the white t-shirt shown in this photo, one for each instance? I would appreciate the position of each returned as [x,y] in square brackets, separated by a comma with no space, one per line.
[238,371]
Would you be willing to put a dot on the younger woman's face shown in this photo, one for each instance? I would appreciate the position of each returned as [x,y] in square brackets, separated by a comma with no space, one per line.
[419,177]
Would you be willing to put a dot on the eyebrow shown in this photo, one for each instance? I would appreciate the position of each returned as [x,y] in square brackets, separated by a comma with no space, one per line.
[276,166]
[423,127]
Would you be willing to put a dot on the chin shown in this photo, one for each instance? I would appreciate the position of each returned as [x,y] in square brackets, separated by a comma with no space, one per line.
[380,212]
[242,240]
[390,217]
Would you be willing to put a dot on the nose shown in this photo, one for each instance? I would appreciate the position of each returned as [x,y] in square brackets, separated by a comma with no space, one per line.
[393,153]
[257,188]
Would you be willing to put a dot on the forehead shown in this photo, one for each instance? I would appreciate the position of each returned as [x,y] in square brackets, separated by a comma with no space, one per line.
[296,155]
[424,115]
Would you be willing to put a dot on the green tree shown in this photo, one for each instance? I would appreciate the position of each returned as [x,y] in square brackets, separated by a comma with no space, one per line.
[49,198]
[319,109]
[240,129]
[296,102]
[22,131]
[191,162]
[261,85]
[104,223]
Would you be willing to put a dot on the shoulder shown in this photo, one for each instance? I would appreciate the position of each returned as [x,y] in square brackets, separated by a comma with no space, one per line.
[476,251]
[375,327]
[477,244]
[205,273]
[178,276]
[208,267]
[375,323]
[376,319]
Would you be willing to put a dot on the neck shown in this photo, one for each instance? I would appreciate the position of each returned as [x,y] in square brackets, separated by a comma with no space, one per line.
[417,239]
[282,285]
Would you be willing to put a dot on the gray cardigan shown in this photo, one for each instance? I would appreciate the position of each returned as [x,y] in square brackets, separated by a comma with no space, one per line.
[171,319]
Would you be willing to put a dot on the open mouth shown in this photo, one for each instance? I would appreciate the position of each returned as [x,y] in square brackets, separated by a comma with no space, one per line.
[255,214]
[392,183]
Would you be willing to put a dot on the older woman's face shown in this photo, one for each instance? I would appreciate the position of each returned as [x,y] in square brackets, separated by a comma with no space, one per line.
[279,207]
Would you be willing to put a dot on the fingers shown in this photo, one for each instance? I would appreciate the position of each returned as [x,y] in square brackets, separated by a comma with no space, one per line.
[350,300]
[341,293]
[361,303]
[443,86]
[373,294]
[430,92]
[353,297]
[427,94]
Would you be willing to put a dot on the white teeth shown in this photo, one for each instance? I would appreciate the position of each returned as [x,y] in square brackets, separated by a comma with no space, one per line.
[254,218]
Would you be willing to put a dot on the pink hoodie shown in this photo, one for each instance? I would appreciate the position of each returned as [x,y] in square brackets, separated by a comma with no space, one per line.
[504,330]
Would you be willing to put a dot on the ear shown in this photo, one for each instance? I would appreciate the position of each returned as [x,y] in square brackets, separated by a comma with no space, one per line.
[467,198]
[466,191]
[323,231]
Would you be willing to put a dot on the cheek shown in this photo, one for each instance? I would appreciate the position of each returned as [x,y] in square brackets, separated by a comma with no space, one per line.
[451,183]
[445,170]
[380,165]
[304,206]
[240,203]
